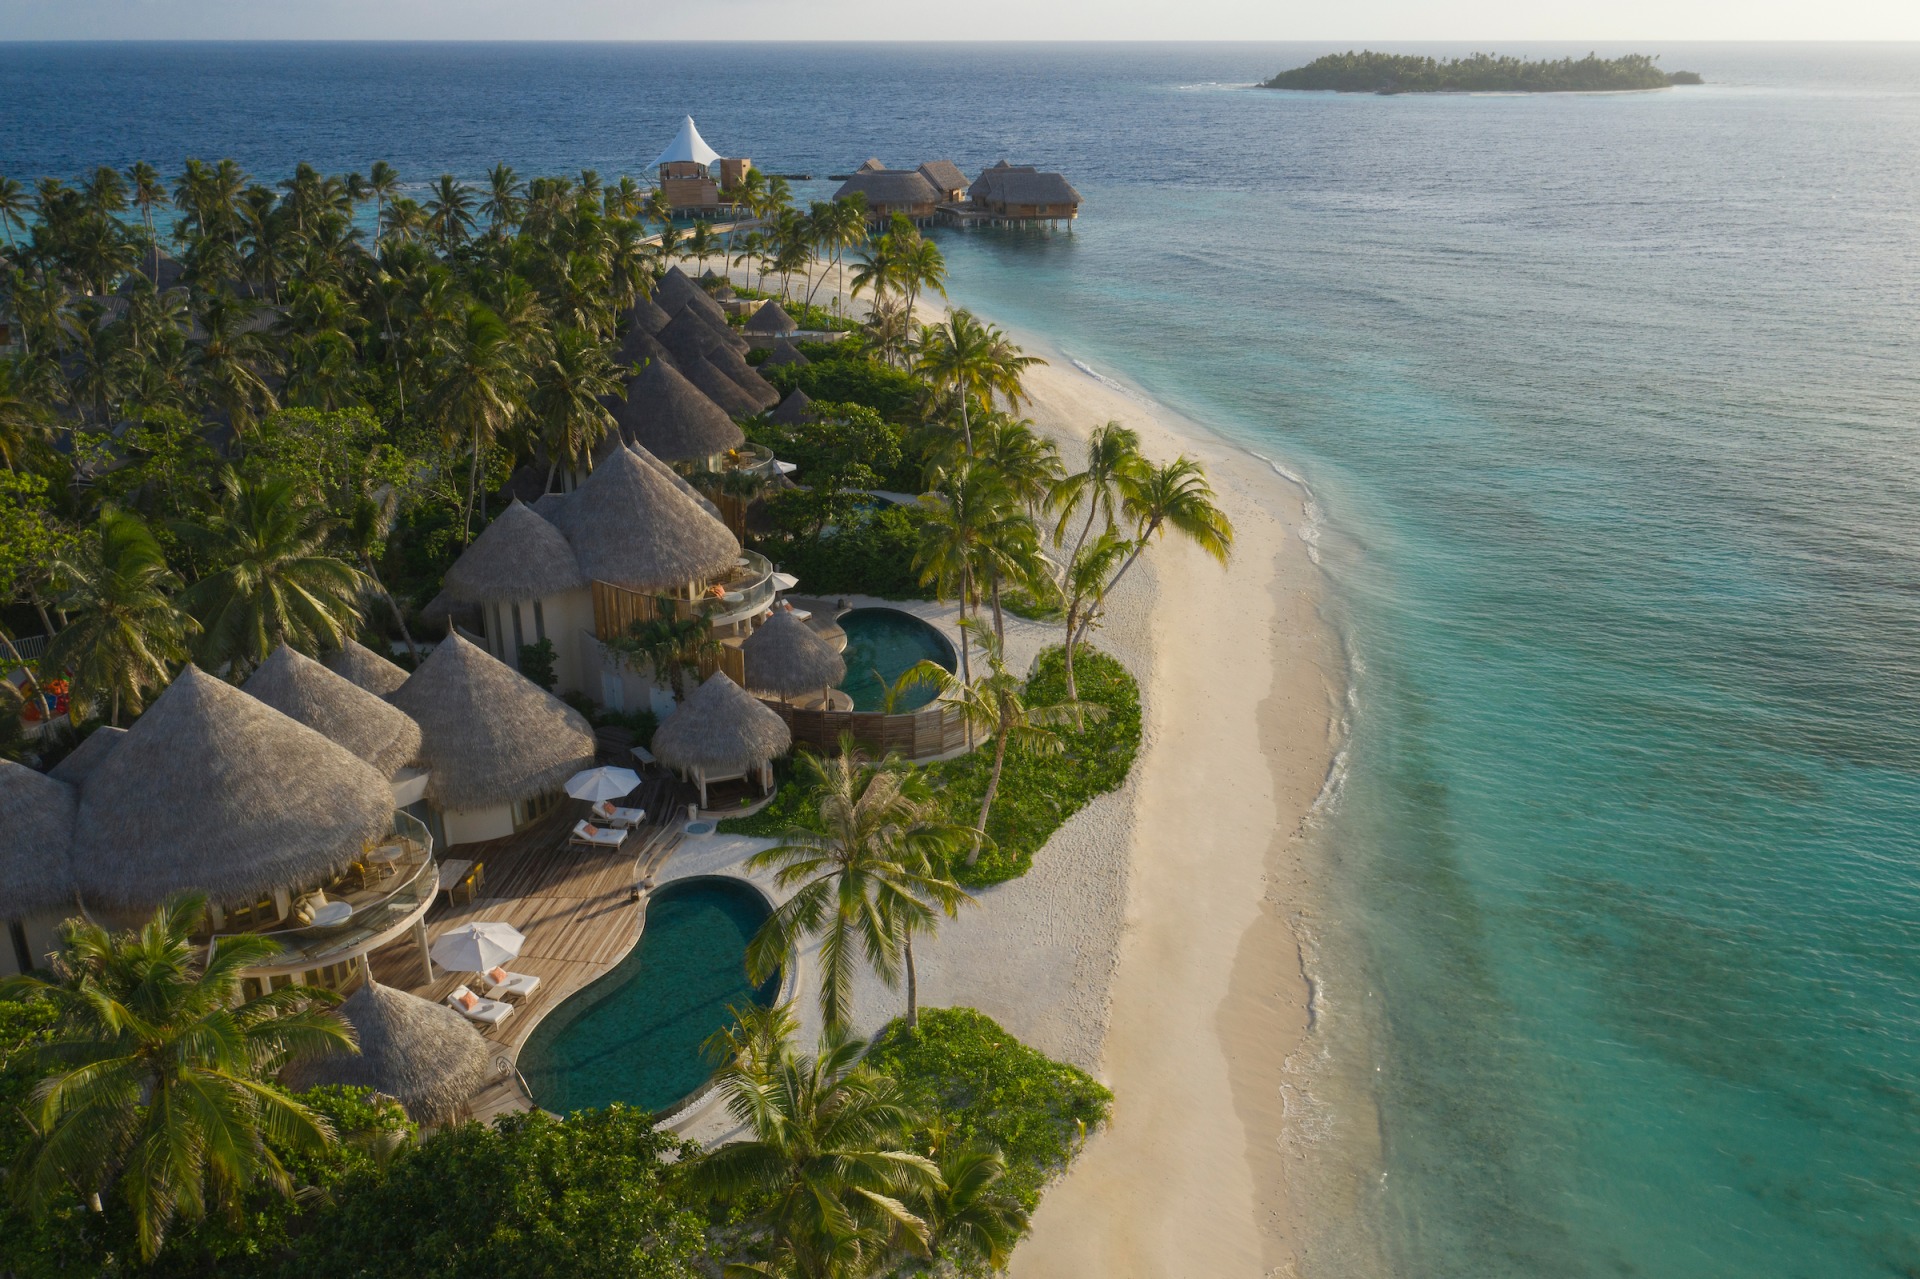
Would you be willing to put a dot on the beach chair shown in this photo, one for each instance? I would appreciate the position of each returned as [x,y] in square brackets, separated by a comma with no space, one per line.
[625,818]
[485,1012]
[591,836]
[502,984]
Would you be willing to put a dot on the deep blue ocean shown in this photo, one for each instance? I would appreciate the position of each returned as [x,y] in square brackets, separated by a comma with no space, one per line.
[1610,405]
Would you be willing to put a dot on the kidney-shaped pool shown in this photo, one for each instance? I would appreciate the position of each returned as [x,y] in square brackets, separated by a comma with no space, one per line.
[881,644]
[634,1035]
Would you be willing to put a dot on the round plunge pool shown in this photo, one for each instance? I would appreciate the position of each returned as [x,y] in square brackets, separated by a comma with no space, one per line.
[882,644]
[634,1035]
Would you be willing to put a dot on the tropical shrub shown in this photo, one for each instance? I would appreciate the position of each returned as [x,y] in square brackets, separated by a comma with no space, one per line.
[986,1086]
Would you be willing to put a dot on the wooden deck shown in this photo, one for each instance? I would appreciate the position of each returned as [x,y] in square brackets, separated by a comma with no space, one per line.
[575,905]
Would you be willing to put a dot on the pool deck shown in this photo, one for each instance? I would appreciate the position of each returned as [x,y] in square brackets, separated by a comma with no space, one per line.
[573,906]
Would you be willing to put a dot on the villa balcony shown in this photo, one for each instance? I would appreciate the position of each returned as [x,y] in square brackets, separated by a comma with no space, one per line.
[744,591]
[749,461]
[388,890]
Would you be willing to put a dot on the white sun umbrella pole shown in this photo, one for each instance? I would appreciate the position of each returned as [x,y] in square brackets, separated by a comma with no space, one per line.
[597,784]
[474,948]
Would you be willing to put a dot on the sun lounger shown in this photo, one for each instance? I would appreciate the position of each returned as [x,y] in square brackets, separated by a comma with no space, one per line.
[596,836]
[502,984]
[487,1012]
[606,814]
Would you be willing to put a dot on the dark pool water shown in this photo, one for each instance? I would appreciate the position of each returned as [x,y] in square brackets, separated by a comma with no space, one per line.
[634,1036]
[881,644]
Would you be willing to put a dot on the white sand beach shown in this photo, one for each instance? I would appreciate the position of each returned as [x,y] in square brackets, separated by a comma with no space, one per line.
[1150,942]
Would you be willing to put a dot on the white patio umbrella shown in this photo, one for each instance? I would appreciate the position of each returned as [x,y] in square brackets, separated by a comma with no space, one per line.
[474,948]
[602,783]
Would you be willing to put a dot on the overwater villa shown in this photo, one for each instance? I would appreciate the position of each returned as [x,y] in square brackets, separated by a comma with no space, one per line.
[890,191]
[1015,194]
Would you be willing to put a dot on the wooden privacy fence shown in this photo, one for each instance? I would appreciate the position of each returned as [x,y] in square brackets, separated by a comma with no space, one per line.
[923,734]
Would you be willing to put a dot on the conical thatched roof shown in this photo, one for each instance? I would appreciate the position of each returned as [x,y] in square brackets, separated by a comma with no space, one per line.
[646,316]
[718,326]
[550,503]
[688,335]
[214,791]
[297,686]
[677,291]
[36,830]
[361,665]
[744,376]
[721,727]
[716,285]
[771,318]
[784,352]
[517,557]
[605,450]
[424,1055]
[638,348]
[86,757]
[675,420]
[786,658]
[732,398]
[490,734]
[631,526]
[793,410]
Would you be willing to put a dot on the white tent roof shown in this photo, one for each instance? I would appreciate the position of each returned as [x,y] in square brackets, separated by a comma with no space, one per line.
[686,145]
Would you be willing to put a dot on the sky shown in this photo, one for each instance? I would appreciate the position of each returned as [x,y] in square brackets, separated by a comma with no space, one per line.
[1358,21]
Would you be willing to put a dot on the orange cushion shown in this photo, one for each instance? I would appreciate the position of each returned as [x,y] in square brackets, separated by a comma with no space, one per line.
[589,829]
[498,975]
[469,1001]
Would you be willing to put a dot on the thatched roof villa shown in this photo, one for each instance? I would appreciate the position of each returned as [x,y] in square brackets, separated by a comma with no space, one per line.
[786,658]
[717,386]
[424,1055]
[338,709]
[677,290]
[214,791]
[37,814]
[769,320]
[673,419]
[891,191]
[784,352]
[945,178]
[646,316]
[793,410]
[86,757]
[497,745]
[630,527]
[1024,193]
[722,732]
[360,665]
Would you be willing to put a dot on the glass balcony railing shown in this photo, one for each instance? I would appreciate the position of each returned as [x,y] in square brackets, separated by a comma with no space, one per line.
[745,591]
[397,878]
[749,459]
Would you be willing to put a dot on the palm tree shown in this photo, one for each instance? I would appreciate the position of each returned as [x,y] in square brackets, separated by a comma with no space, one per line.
[274,581]
[922,267]
[1114,461]
[957,356]
[1175,496]
[573,378]
[870,874]
[15,204]
[971,1212]
[230,359]
[158,1089]
[503,203]
[996,703]
[124,632]
[825,1155]
[1083,585]
[23,416]
[672,644]
[383,184]
[149,193]
[700,243]
[1026,461]
[450,213]
[477,392]
[976,534]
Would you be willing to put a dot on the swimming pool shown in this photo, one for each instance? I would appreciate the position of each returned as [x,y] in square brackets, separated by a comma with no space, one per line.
[889,641]
[634,1035]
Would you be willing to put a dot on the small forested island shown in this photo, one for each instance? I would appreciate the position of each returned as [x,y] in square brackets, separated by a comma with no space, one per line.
[1370,72]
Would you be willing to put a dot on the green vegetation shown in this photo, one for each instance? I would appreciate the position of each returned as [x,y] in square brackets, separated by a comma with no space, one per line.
[593,1196]
[842,373]
[989,1087]
[1371,72]
[1037,791]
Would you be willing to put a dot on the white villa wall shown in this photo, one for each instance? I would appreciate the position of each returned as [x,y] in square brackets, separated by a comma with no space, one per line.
[470,825]
[42,939]
[558,616]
